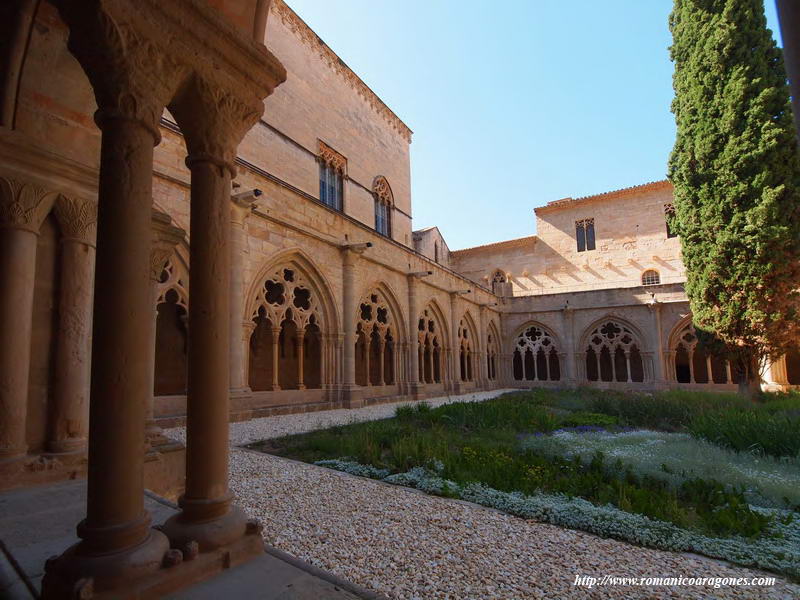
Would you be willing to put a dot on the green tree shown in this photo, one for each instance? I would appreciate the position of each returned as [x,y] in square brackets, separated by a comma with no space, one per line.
[736,175]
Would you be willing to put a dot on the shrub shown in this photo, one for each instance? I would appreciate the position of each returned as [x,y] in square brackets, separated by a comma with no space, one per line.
[579,419]
[678,457]
[763,432]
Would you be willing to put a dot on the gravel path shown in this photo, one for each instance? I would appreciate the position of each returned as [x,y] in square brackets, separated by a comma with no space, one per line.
[408,545]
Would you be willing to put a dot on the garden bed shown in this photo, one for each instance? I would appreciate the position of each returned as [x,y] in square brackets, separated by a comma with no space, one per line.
[571,458]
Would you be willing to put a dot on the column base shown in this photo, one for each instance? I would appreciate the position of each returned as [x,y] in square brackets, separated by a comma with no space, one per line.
[176,571]
[416,390]
[455,387]
[69,446]
[187,529]
[77,573]
[352,396]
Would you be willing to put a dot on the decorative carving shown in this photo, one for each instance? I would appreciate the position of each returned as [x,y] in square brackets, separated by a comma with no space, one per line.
[312,40]
[165,238]
[380,187]
[77,218]
[23,205]
[287,294]
[132,77]
[214,119]
[331,157]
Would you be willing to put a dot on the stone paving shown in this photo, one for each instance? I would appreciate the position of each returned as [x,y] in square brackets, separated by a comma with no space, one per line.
[408,545]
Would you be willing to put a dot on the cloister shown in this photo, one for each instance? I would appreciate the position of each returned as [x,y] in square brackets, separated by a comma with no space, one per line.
[206,217]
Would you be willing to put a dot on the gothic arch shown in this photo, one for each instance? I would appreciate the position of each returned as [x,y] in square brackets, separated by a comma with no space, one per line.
[384,205]
[380,333]
[172,312]
[689,362]
[535,353]
[613,351]
[432,343]
[294,259]
[493,345]
[294,317]
[467,348]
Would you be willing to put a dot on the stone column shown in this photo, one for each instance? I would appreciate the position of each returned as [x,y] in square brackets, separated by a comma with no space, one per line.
[240,210]
[69,423]
[568,327]
[118,545]
[351,393]
[382,376]
[23,207]
[165,238]
[300,340]
[658,363]
[414,379]
[482,349]
[276,337]
[455,362]
[213,120]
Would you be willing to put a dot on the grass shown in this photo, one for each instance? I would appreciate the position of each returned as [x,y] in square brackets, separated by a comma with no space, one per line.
[481,443]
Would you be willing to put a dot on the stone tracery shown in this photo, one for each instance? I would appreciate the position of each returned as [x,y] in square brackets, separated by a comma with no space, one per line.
[375,341]
[536,356]
[286,344]
[430,345]
[692,363]
[613,353]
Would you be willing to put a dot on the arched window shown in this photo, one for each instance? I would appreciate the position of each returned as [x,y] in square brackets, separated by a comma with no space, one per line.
[614,354]
[171,357]
[286,343]
[375,344]
[429,347]
[651,277]
[384,201]
[466,354]
[536,356]
[695,364]
[491,355]
[332,170]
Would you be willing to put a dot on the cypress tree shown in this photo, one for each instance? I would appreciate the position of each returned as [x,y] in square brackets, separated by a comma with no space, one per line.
[736,174]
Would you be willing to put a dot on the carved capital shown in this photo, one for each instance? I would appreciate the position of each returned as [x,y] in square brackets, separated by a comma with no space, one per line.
[132,74]
[165,237]
[77,218]
[214,119]
[23,205]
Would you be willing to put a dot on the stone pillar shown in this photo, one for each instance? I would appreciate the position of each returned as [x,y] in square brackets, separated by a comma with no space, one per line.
[276,349]
[69,423]
[300,340]
[165,238]
[382,376]
[658,363]
[23,207]
[351,393]
[213,120]
[414,379]
[240,210]
[482,349]
[568,327]
[455,362]
[118,546]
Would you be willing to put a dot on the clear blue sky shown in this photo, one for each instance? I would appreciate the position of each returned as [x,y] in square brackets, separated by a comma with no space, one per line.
[513,103]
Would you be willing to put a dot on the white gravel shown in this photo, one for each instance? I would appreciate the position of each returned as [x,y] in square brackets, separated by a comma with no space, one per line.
[408,545]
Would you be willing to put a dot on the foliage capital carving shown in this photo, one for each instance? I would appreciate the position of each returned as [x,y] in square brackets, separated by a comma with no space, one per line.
[23,205]
[77,218]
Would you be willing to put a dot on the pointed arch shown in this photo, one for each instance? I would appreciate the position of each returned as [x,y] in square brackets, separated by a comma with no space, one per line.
[384,205]
[293,259]
[493,345]
[380,327]
[467,346]
[432,341]
[172,312]
[294,317]
[536,353]
[613,348]
[690,362]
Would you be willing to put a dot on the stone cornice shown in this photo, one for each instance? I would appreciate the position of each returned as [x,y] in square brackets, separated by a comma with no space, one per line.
[628,191]
[313,41]
[515,243]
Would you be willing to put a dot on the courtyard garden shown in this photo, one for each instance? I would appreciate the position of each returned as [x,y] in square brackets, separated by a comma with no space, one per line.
[708,473]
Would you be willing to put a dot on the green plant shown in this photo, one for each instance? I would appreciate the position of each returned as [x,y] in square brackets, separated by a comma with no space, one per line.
[579,419]
[736,178]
